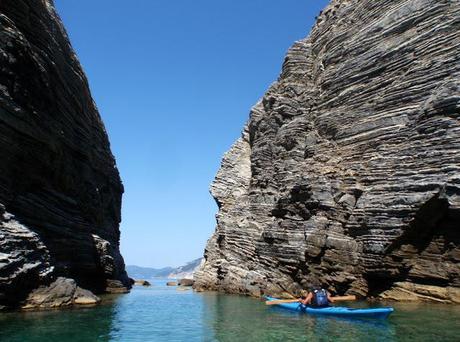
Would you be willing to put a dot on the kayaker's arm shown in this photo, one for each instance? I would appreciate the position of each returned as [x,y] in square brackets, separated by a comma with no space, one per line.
[330,298]
[307,299]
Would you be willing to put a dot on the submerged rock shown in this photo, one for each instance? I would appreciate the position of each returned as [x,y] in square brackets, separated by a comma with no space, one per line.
[60,191]
[348,171]
[171,283]
[184,288]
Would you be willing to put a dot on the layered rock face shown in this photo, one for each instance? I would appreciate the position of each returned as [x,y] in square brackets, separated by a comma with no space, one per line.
[60,191]
[348,171]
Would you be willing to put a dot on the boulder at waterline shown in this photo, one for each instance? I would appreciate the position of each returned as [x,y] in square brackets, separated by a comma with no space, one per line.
[141,282]
[186,282]
[61,293]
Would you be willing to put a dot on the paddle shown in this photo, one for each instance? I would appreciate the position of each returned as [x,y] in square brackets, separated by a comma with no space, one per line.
[343,298]
[281,301]
[335,299]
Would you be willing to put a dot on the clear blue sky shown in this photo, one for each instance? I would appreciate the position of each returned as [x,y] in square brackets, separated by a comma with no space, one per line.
[174,81]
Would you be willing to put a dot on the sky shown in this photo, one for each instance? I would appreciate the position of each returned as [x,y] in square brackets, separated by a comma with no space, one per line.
[174,81]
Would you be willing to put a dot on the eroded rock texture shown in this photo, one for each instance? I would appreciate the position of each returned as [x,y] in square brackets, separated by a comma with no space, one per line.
[63,292]
[349,169]
[60,190]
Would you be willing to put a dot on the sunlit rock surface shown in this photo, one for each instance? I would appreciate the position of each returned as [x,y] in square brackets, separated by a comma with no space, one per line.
[60,191]
[349,168]
[63,292]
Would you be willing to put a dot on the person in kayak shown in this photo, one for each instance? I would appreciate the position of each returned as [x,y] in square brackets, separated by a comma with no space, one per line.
[317,298]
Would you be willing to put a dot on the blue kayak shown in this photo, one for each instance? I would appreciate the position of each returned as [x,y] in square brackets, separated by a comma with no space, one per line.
[337,310]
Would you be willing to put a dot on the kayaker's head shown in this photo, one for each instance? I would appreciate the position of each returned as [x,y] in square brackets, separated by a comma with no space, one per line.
[303,294]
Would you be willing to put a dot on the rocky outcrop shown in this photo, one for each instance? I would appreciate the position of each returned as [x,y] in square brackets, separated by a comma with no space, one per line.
[63,292]
[349,169]
[142,282]
[24,260]
[186,282]
[60,191]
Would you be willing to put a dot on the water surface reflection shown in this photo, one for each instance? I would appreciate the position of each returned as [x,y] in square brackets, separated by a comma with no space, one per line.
[89,324]
[161,313]
[236,318]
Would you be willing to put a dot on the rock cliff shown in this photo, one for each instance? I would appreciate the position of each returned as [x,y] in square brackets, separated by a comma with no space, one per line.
[348,171]
[60,191]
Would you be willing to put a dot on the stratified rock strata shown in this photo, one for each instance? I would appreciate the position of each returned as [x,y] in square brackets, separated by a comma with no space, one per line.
[349,169]
[60,191]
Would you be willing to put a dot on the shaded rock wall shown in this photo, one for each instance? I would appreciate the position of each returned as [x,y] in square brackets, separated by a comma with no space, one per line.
[60,189]
[349,169]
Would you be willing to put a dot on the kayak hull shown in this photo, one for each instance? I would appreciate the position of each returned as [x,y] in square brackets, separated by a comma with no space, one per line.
[380,313]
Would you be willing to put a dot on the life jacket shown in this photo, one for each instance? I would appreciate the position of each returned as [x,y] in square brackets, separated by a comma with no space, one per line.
[319,298]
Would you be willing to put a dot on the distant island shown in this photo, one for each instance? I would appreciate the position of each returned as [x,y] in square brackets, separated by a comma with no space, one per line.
[185,271]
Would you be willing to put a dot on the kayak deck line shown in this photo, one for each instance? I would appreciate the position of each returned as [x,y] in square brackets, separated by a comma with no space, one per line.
[341,311]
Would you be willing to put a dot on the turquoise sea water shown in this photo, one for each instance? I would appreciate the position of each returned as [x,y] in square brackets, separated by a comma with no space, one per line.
[161,313]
